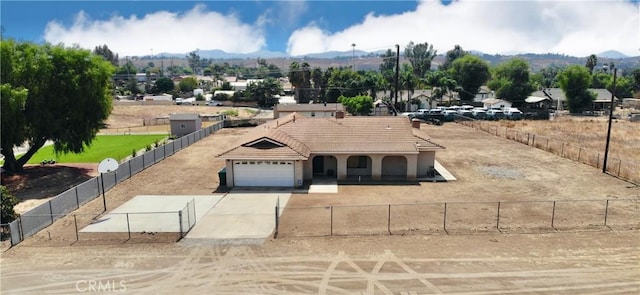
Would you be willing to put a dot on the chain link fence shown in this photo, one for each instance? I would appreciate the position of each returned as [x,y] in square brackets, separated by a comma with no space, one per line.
[40,217]
[459,217]
[626,169]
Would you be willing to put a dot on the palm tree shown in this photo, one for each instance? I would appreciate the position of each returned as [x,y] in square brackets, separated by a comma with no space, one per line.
[408,81]
[316,77]
[300,78]
[592,61]
[420,56]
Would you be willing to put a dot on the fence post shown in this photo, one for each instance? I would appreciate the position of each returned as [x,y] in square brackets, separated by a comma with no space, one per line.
[275,233]
[129,227]
[606,212]
[579,153]
[553,214]
[331,229]
[547,148]
[444,223]
[619,163]
[21,228]
[562,150]
[50,211]
[533,140]
[389,220]
[77,199]
[75,222]
[598,161]
[180,223]
[129,164]
[498,218]
[528,134]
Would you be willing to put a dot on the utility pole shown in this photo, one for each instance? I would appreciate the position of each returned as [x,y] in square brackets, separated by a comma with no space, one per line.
[353,55]
[606,149]
[397,75]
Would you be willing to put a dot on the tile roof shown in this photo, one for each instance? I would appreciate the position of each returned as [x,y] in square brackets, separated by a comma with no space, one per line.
[349,135]
[310,107]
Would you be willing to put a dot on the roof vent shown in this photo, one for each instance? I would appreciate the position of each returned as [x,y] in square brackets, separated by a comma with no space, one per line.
[415,123]
[339,115]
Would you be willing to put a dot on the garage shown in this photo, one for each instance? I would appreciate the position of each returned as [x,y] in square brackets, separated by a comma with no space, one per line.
[263,173]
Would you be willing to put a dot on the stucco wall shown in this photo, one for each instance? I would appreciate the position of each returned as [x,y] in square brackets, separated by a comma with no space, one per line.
[426,161]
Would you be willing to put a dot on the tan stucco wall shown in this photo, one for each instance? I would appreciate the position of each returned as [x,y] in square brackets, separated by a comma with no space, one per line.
[229,165]
[298,171]
[426,161]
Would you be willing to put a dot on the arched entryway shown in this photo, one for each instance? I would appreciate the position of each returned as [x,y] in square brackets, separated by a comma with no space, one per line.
[394,167]
[359,166]
[325,166]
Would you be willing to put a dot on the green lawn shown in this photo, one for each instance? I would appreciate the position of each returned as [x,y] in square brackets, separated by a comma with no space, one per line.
[103,146]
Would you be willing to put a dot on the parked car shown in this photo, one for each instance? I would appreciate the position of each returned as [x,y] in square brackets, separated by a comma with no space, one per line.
[495,114]
[479,113]
[449,115]
[214,103]
[513,114]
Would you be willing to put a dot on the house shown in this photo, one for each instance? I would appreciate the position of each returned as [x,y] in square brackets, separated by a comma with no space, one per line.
[602,100]
[493,103]
[484,93]
[538,102]
[380,108]
[183,124]
[159,97]
[293,149]
[307,109]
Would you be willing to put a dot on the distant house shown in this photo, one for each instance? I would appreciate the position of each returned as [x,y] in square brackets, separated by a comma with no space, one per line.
[320,110]
[380,108]
[602,100]
[484,93]
[183,124]
[161,97]
[538,102]
[493,103]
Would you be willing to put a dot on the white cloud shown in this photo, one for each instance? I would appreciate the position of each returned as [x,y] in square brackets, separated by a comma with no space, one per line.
[576,28]
[161,31]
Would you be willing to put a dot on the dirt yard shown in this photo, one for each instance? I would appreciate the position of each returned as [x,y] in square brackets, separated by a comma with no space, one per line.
[488,169]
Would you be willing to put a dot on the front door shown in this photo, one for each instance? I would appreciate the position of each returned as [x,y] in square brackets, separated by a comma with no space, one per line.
[318,165]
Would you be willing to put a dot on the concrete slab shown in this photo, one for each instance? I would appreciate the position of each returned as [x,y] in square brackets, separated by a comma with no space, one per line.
[240,216]
[152,213]
[324,186]
[444,173]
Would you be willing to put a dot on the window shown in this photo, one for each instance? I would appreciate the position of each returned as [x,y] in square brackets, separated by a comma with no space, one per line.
[183,126]
[357,162]
[313,114]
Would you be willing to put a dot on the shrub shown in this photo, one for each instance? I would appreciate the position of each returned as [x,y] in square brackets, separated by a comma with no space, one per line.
[8,202]
[233,113]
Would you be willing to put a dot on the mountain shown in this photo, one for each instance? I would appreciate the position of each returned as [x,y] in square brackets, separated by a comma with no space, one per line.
[612,54]
[220,54]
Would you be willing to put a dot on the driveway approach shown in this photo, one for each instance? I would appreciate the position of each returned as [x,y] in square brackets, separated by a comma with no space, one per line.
[239,217]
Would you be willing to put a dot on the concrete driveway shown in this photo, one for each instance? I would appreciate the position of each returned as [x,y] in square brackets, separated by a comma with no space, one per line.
[239,217]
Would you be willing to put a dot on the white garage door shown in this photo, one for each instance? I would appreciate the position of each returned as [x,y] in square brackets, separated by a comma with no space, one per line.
[263,173]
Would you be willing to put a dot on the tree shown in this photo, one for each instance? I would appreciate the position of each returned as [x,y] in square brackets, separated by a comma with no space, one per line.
[451,55]
[470,72]
[6,205]
[164,85]
[511,81]
[188,84]
[344,82]
[591,63]
[420,56]
[574,81]
[107,54]
[318,83]
[67,102]
[226,85]
[387,69]
[264,92]
[442,85]
[408,81]
[636,79]
[194,61]
[358,105]
[300,78]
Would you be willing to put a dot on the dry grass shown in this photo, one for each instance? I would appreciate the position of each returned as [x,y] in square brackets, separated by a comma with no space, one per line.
[588,133]
[124,116]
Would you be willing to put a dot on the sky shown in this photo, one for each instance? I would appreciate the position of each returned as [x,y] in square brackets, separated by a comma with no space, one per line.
[138,28]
